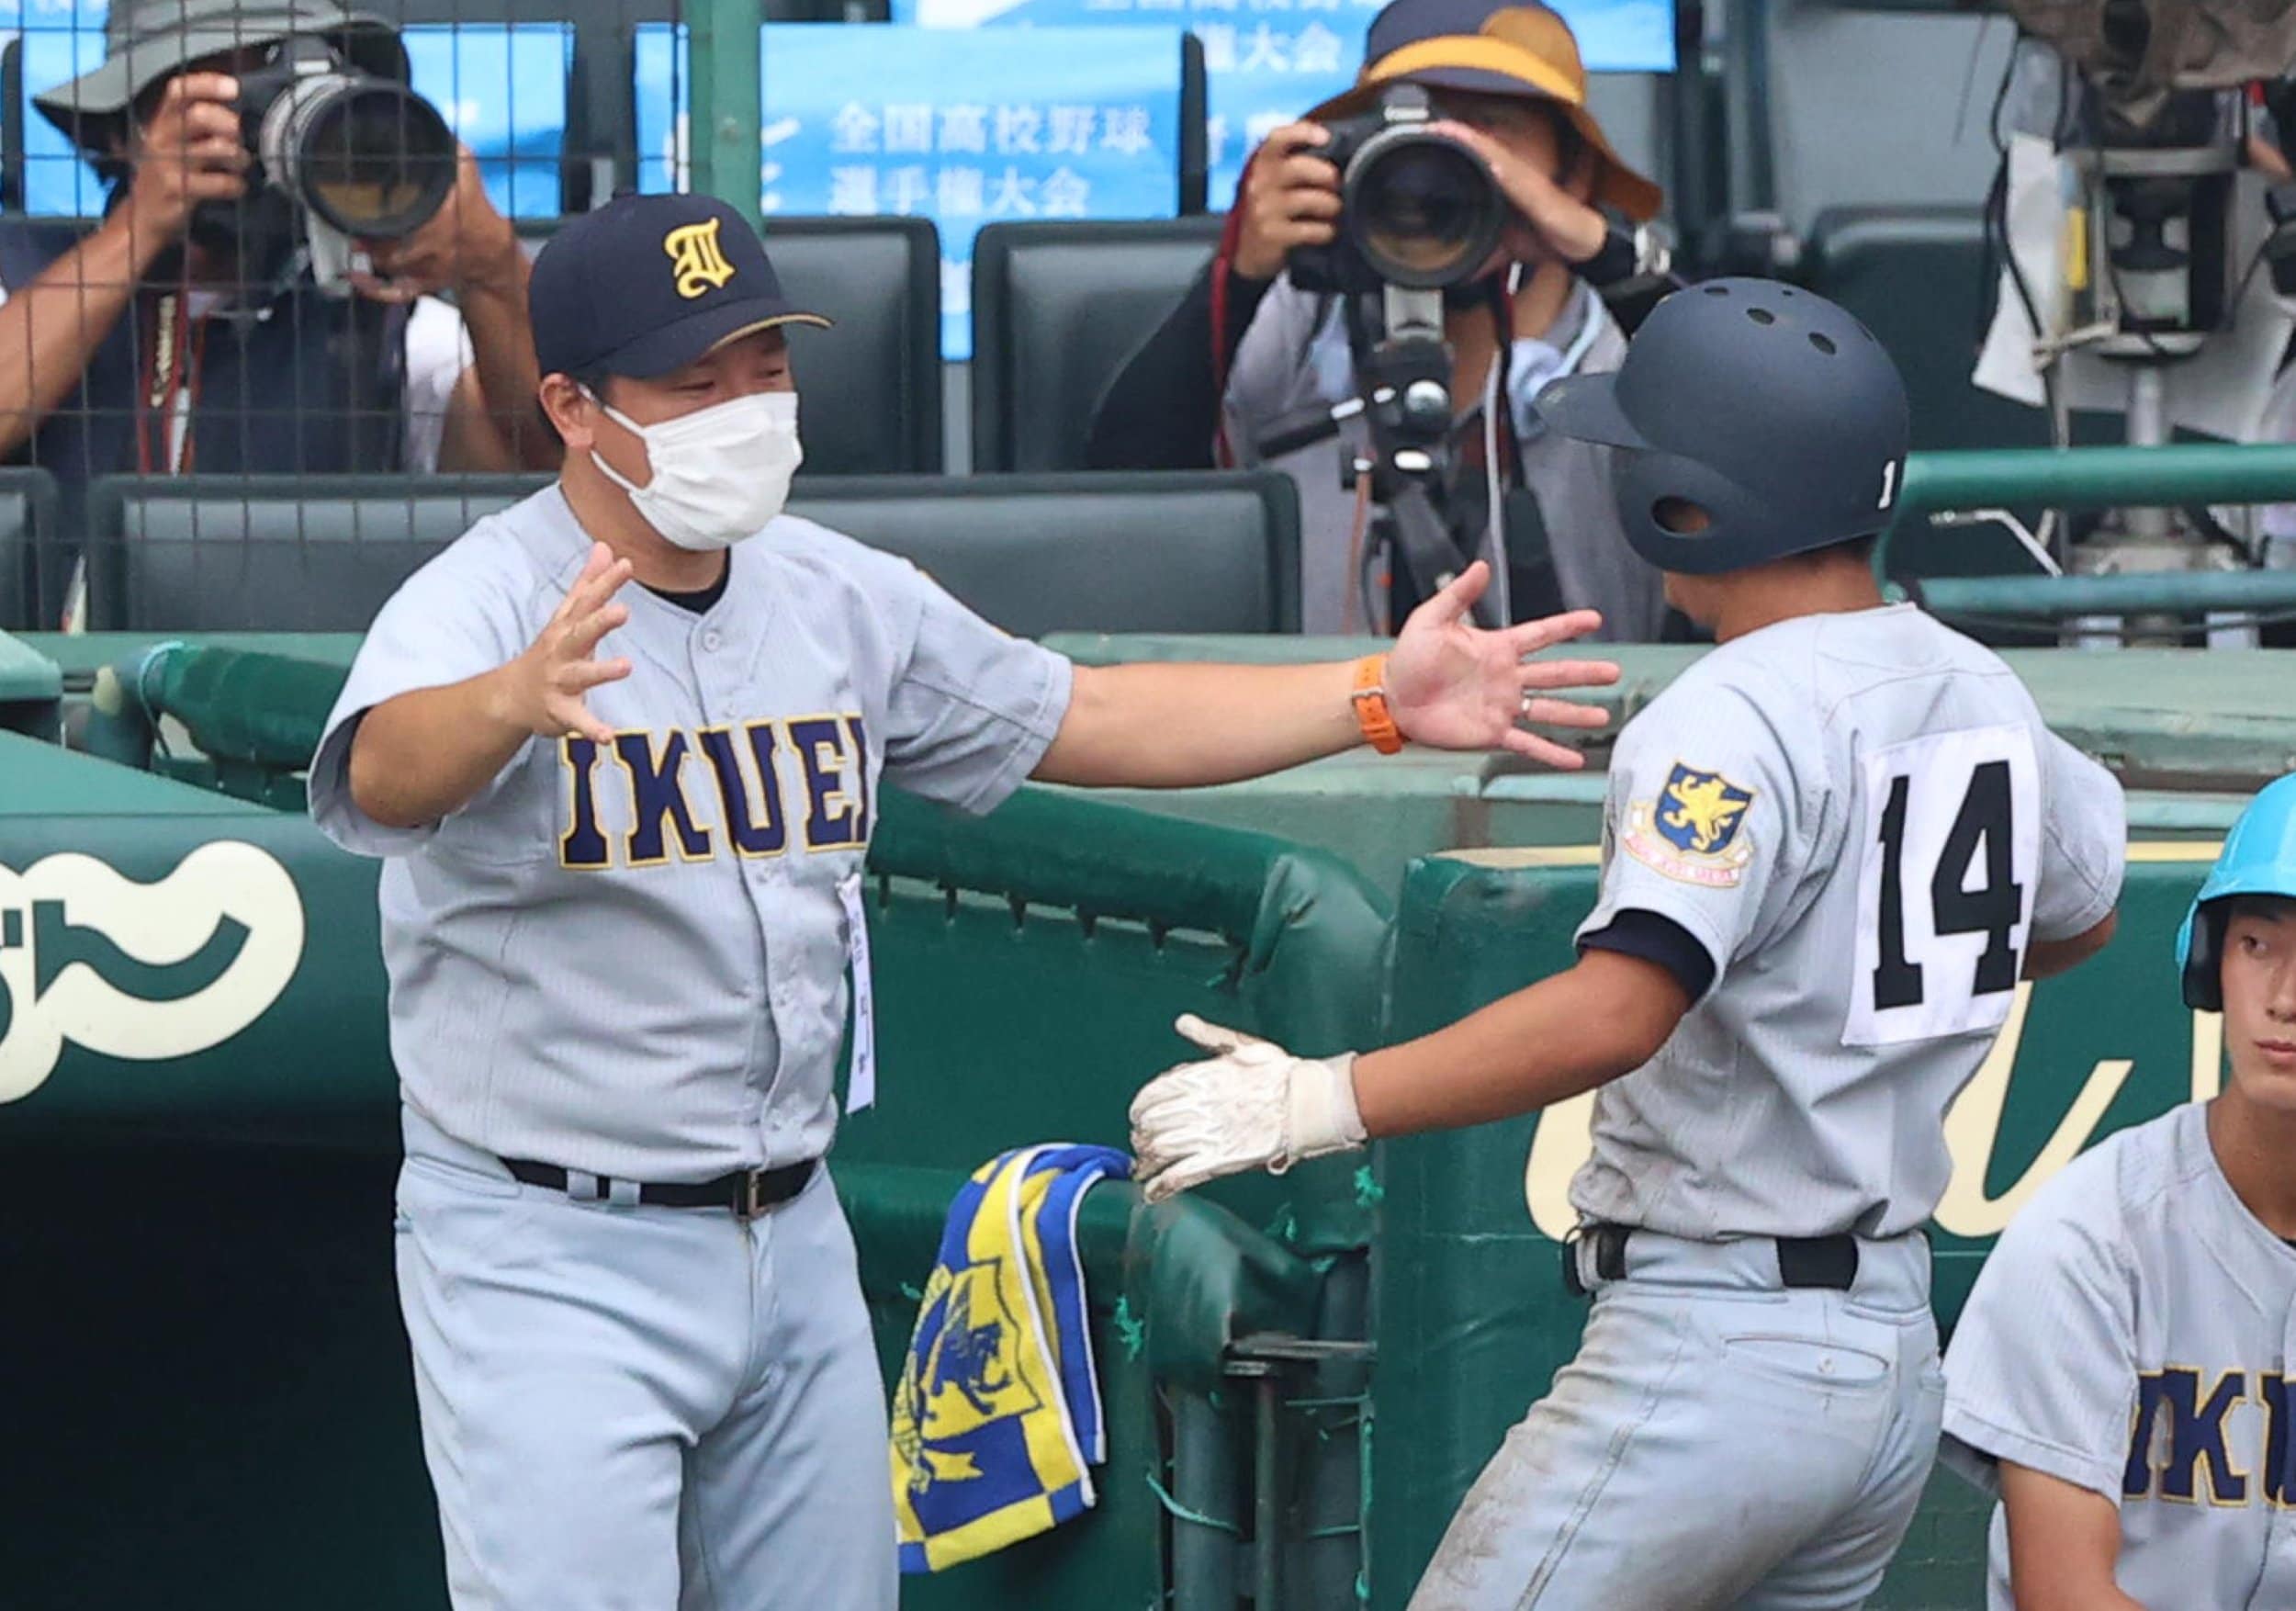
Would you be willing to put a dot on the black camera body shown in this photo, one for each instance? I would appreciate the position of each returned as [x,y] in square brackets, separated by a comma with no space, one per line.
[1418,210]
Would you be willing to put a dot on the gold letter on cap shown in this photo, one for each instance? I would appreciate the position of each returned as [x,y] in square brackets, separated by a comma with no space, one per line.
[693,254]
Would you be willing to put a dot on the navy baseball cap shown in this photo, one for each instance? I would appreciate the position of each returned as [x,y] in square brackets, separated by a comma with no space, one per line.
[649,284]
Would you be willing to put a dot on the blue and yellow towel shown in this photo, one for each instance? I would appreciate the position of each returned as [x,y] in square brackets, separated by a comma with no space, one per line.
[997,1420]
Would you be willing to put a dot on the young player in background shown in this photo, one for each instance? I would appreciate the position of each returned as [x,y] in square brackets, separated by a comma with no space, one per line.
[2120,1374]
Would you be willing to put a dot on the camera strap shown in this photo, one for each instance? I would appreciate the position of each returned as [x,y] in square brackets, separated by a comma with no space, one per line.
[169,387]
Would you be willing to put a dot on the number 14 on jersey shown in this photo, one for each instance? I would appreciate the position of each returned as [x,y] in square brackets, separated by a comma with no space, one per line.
[1952,851]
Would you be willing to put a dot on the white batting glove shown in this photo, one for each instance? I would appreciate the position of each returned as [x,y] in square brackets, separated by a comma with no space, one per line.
[1253,1107]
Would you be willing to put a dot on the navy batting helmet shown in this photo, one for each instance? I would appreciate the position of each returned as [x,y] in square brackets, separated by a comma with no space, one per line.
[1753,421]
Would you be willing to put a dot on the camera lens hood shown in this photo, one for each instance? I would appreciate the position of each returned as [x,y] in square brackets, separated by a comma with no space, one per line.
[368,155]
[1421,208]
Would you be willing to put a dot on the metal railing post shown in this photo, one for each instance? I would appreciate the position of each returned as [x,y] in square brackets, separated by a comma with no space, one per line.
[726,84]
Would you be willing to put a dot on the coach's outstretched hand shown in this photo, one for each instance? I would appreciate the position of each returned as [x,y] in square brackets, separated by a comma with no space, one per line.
[543,690]
[1455,685]
[1255,1106]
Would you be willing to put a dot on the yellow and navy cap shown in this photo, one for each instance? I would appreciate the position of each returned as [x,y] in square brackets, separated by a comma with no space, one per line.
[1508,49]
[649,284]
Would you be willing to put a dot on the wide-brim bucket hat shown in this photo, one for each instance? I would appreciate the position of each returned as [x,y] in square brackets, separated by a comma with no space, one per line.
[1509,50]
[146,42]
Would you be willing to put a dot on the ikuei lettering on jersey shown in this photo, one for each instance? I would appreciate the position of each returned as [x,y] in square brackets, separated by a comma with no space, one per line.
[690,797]
[2193,1432]
[1693,830]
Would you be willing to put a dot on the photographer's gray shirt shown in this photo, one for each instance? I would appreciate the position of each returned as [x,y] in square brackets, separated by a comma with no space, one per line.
[1284,366]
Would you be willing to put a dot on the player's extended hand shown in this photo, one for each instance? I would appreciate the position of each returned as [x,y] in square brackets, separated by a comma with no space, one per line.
[1255,1106]
[544,688]
[1455,685]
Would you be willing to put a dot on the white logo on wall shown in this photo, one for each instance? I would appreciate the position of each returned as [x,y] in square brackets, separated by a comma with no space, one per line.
[141,972]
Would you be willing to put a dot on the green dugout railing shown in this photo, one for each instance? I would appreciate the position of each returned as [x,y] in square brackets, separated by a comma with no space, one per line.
[2098,477]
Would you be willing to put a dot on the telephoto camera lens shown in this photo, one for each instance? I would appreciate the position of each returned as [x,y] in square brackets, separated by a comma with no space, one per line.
[1422,209]
[366,154]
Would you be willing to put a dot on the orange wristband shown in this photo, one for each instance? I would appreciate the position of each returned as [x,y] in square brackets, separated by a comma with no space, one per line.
[1371,713]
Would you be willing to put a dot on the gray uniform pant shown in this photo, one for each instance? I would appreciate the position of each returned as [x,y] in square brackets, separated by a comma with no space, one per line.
[631,1409]
[1719,1441]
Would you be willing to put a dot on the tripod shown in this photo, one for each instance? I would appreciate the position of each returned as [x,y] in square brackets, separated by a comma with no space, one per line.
[1402,367]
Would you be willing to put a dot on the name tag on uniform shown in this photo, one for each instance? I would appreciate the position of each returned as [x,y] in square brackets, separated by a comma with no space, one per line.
[861,1085]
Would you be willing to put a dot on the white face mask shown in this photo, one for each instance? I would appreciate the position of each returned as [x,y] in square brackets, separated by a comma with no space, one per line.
[720,473]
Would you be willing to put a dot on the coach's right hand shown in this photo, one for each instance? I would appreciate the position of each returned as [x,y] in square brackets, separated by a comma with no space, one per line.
[542,690]
[188,151]
[1289,198]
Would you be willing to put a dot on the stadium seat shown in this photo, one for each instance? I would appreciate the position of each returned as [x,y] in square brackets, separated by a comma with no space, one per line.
[270,553]
[28,520]
[1836,105]
[1211,552]
[1916,276]
[1186,552]
[1057,308]
[871,387]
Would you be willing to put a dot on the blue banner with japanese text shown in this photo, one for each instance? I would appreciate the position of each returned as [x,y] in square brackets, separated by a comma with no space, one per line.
[958,128]
[1267,61]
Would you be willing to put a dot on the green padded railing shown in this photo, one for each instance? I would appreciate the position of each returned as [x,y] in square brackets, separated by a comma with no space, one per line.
[2098,477]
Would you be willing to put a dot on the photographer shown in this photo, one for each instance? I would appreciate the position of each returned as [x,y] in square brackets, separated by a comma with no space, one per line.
[189,333]
[1247,349]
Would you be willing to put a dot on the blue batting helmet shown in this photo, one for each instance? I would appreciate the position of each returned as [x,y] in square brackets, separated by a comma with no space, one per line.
[1771,410]
[2258,857]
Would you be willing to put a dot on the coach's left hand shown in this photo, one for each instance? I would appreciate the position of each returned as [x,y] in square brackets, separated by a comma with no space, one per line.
[1455,685]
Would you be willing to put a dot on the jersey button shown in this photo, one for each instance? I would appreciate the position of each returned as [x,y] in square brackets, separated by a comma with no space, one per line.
[710,640]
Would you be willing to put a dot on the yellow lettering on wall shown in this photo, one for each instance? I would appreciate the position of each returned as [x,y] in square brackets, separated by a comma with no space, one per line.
[1566,1135]
[2208,1055]
[1972,1132]
[1973,1128]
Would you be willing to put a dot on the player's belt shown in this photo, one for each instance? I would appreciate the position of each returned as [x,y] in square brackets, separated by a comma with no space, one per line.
[748,1192]
[1829,1263]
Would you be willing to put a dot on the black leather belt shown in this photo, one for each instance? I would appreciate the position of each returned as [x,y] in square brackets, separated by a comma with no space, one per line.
[748,1192]
[1829,1263]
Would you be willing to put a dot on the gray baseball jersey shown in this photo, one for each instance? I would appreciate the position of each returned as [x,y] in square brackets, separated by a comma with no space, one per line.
[1864,821]
[2131,1334]
[630,959]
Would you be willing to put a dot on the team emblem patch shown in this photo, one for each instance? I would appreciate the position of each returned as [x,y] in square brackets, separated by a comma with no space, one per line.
[1693,830]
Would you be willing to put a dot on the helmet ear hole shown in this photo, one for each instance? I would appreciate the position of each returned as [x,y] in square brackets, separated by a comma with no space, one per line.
[1680,517]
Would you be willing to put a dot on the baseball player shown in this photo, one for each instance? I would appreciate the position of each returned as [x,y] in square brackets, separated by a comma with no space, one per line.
[1831,849]
[2121,1375]
[624,827]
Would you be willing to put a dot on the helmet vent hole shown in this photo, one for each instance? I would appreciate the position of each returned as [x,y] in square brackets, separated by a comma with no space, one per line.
[1761,316]
[1717,290]
[1823,343]
[1680,517]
